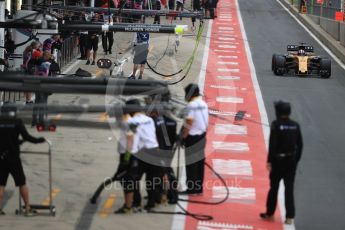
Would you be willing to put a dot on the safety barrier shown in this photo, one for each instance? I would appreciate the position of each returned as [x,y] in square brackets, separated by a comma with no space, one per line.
[69,51]
[331,27]
[342,33]
[327,9]
[10,96]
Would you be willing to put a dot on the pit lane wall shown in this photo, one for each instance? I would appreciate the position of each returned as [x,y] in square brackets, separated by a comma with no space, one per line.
[330,32]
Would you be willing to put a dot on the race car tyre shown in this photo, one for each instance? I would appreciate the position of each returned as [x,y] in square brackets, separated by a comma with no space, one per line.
[279,65]
[325,68]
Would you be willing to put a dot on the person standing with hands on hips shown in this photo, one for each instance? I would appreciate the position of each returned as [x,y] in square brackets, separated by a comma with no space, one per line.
[194,139]
[284,153]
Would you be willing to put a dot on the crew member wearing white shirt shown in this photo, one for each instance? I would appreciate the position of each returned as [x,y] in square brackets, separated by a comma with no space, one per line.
[143,146]
[194,138]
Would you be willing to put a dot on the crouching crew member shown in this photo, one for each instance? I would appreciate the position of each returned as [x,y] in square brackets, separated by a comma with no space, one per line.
[285,150]
[142,149]
[194,138]
[10,162]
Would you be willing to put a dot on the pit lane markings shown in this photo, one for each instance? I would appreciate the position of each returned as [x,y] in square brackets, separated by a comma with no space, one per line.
[229,35]
[227,46]
[222,146]
[236,193]
[234,78]
[227,63]
[238,168]
[226,31]
[211,225]
[228,70]
[226,39]
[54,193]
[227,51]
[230,129]
[235,100]
[108,205]
[226,87]
[233,57]
[226,42]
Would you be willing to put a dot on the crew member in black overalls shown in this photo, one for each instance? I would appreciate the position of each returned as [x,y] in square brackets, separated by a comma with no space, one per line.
[285,150]
[166,137]
[10,162]
[194,139]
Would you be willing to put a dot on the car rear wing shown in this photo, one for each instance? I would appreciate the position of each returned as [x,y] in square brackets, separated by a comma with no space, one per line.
[309,49]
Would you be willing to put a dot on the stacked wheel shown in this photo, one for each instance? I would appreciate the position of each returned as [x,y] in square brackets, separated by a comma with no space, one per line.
[325,68]
[278,64]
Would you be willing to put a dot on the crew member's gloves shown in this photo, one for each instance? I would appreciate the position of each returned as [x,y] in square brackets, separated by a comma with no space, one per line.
[127,158]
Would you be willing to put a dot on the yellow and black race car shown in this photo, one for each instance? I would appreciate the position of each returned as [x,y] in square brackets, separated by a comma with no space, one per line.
[301,60]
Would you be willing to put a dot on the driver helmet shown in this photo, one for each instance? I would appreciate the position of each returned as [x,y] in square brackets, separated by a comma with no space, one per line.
[301,52]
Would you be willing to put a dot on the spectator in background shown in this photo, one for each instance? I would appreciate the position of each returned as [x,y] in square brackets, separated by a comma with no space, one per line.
[43,66]
[179,6]
[196,7]
[157,6]
[50,44]
[107,37]
[27,56]
[92,43]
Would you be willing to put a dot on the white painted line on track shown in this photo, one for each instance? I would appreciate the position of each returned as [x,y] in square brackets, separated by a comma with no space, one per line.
[228,70]
[226,39]
[226,42]
[227,46]
[236,78]
[211,225]
[223,87]
[230,146]
[225,28]
[233,57]
[202,74]
[235,193]
[227,51]
[227,63]
[224,99]
[230,129]
[233,167]
[226,31]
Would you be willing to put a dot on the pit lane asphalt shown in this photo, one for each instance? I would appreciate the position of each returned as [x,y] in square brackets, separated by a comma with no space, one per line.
[318,104]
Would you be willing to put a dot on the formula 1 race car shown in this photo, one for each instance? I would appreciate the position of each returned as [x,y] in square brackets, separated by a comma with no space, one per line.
[301,60]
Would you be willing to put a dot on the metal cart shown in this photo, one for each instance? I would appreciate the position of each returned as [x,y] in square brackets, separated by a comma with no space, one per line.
[35,207]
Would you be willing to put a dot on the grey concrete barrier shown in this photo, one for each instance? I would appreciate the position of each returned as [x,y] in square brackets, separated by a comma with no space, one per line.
[315,18]
[331,27]
[342,33]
